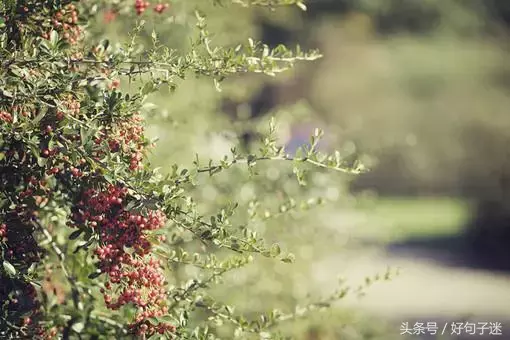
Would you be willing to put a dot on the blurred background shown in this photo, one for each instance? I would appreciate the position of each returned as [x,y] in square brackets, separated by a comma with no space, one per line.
[420,91]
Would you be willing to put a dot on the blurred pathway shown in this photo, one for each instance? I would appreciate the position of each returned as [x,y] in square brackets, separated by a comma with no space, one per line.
[421,288]
[424,290]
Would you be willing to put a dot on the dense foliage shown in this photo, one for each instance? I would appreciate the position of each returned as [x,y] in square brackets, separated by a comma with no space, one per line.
[89,230]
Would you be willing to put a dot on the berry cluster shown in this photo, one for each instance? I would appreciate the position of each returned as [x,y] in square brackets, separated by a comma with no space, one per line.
[160,8]
[65,21]
[49,334]
[130,133]
[71,106]
[134,276]
[141,6]
[5,116]
[126,137]
[3,232]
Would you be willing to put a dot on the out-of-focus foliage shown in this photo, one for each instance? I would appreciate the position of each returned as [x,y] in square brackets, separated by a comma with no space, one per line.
[423,87]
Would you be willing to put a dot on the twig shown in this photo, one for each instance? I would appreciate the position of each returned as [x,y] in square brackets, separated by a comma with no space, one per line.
[194,286]
[278,158]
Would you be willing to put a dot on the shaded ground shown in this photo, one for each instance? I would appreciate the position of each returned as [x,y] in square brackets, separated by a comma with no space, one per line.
[454,250]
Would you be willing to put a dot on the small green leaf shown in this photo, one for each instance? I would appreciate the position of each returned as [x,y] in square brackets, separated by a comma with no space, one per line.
[40,116]
[275,250]
[42,162]
[84,135]
[32,268]
[78,327]
[54,38]
[108,178]
[301,5]
[75,234]
[289,258]
[7,93]
[266,253]
[153,320]
[9,268]
[165,318]
[94,275]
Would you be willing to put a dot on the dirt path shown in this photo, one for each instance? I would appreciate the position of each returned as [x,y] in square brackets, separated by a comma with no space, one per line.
[424,290]
[422,287]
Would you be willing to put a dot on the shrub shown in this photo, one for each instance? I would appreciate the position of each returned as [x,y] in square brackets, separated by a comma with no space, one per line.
[88,229]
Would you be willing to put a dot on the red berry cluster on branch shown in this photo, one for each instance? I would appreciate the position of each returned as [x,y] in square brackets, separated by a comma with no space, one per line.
[160,8]
[134,275]
[141,6]
[71,106]
[65,22]
[126,137]
[3,232]
[6,116]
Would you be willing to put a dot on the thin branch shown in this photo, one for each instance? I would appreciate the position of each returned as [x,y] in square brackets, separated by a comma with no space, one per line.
[215,168]
[194,286]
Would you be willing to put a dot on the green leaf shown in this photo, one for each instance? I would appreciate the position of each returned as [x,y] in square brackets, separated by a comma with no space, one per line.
[75,234]
[166,318]
[301,5]
[153,320]
[275,250]
[54,37]
[40,116]
[289,258]
[94,275]
[32,268]
[108,178]
[83,135]
[7,93]
[9,268]
[78,327]
[42,162]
